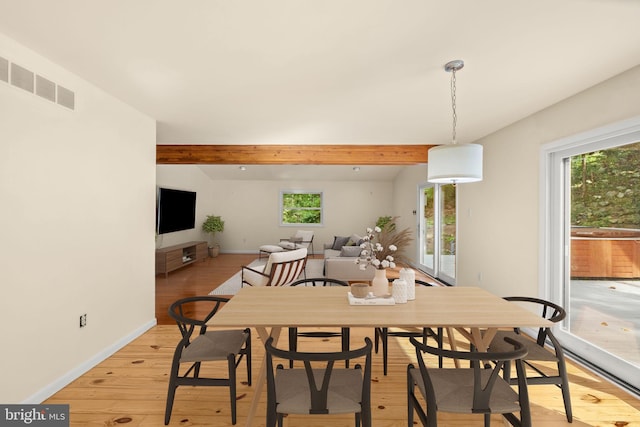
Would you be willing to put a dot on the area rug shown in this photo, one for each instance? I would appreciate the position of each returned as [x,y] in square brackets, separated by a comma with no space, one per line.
[313,269]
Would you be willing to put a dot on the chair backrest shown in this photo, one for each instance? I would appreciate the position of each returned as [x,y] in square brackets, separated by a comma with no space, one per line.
[195,311]
[483,383]
[285,267]
[319,281]
[547,309]
[307,237]
[319,368]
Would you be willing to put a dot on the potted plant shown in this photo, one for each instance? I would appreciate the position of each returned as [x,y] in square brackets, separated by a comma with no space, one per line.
[212,225]
[383,221]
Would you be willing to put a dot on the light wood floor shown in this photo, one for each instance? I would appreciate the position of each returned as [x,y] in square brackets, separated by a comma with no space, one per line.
[129,388]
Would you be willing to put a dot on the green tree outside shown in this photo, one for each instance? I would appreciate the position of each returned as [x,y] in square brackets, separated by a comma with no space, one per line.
[302,208]
[605,188]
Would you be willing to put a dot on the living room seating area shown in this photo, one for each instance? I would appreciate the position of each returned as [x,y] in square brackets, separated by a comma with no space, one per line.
[340,259]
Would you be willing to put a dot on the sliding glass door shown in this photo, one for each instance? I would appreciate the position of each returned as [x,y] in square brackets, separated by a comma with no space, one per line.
[438,231]
[594,236]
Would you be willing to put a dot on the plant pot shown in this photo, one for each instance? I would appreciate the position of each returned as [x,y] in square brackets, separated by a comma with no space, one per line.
[214,251]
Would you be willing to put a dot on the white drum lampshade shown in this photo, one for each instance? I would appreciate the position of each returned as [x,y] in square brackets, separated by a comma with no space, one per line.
[455,163]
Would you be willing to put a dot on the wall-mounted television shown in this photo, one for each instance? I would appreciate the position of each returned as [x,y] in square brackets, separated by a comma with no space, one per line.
[176,210]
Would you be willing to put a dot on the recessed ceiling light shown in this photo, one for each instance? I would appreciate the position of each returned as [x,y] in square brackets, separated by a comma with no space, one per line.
[356,168]
[243,168]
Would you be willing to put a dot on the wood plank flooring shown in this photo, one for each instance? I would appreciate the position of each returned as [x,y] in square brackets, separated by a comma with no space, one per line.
[129,388]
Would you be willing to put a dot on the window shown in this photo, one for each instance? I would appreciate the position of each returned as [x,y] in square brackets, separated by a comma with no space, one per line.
[300,208]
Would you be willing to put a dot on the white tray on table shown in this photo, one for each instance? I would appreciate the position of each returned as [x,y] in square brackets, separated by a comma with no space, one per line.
[370,300]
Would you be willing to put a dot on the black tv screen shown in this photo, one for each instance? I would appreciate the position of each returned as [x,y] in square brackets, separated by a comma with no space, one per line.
[176,210]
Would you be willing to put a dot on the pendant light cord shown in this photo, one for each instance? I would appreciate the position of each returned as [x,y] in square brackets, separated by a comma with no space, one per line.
[453,103]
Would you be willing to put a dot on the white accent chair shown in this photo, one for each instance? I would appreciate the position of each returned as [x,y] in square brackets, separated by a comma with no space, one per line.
[302,239]
[281,269]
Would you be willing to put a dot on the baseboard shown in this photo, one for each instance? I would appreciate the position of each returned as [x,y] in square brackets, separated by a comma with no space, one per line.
[79,370]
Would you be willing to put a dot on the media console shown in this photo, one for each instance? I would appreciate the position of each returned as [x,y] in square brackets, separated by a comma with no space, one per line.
[177,256]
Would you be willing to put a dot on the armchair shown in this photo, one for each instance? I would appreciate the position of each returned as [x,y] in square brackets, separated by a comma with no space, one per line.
[302,239]
[281,268]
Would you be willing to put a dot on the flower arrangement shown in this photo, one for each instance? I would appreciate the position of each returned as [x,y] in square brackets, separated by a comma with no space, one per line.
[380,244]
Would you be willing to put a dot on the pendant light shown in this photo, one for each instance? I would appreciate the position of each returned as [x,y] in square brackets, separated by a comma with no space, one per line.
[454,163]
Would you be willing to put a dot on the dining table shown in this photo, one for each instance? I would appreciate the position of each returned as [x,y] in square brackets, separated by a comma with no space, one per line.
[475,313]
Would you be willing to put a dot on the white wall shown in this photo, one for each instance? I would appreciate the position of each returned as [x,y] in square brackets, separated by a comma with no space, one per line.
[77,192]
[250,208]
[499,217]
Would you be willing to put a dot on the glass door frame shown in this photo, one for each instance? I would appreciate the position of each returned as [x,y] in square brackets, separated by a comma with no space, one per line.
[438,214]
[555,226]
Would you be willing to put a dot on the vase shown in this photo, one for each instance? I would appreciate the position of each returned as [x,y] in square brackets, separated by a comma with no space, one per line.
[399,291]
[380,284]
[409,276]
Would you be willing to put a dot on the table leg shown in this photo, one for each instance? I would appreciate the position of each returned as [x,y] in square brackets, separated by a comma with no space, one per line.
[479,338]
[453,345]
[262,375]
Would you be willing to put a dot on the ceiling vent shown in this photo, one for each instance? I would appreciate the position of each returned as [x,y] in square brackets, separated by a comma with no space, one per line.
[25,79]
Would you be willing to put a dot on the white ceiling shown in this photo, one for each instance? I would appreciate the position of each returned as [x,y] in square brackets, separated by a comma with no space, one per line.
[331,71]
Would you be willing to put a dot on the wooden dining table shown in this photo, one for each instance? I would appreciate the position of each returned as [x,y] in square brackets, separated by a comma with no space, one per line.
[474,312]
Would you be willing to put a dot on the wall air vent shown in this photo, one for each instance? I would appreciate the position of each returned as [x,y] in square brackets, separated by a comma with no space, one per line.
[66,98]
[24,79]
[46,88]
[4,70]
[21,77]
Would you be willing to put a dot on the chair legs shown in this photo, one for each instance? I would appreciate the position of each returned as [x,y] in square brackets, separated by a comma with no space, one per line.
[428,418]
[173,385]
[382,336]
[410,387]
[566,396]
[231,362]
[561,380]
[192,377]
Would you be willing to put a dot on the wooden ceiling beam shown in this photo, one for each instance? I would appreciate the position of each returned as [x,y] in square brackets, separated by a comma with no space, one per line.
[292,154]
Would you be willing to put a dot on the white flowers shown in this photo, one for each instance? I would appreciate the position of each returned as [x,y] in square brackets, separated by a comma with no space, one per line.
[374,253]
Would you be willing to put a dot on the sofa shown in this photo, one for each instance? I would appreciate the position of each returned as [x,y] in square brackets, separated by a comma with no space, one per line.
[339,260]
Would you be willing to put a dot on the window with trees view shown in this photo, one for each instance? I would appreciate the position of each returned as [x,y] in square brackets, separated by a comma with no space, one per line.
[298,208]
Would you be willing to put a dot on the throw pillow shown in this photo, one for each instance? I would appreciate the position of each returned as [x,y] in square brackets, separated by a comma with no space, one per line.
[350,251]
[357,240]
[339,242]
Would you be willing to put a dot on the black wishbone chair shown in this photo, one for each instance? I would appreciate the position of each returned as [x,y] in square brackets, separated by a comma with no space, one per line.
[537,352]
[294,333]
[382,335]
[476,390]
[319,387]
[198,346]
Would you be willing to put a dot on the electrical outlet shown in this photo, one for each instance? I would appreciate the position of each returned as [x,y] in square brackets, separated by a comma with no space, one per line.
[83,320]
